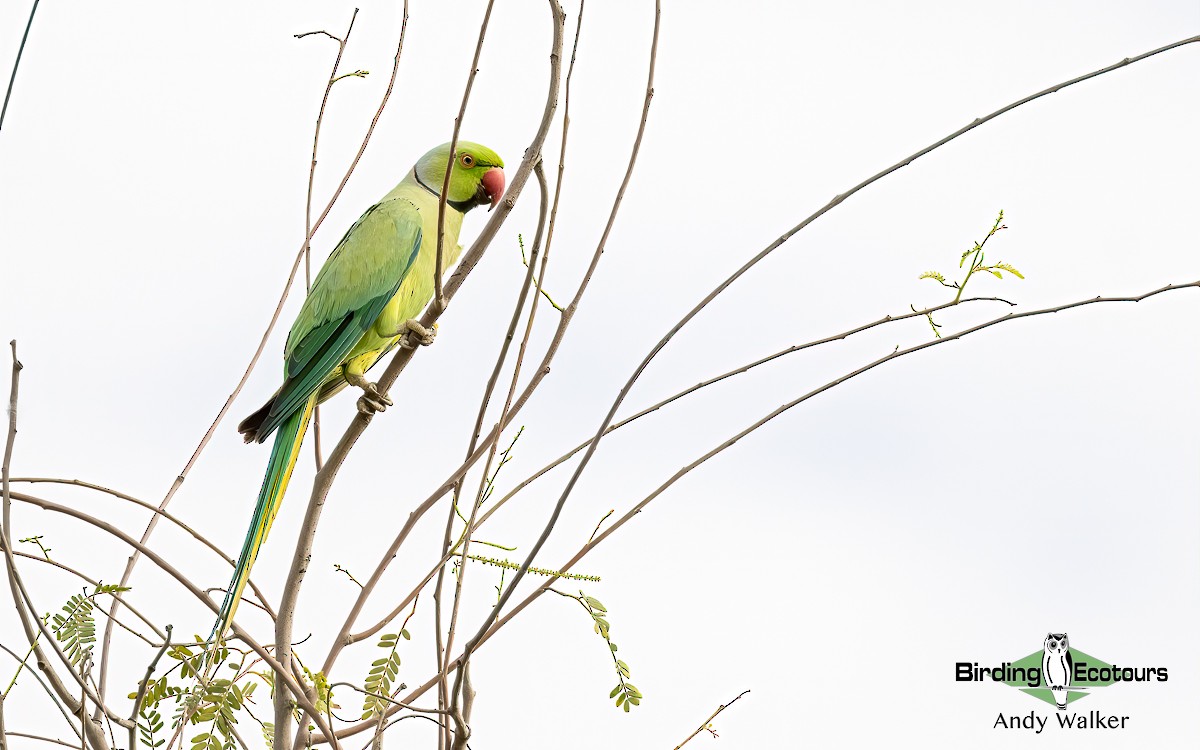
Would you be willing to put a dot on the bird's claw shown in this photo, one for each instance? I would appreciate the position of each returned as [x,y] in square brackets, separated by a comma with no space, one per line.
[372,400]
[421,335]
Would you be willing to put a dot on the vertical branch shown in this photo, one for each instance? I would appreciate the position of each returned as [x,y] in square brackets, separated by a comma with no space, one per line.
[463,717]
[179,480]
[6,466]
[439,299]
[402,357]
[637,144]
[443,653]
[141,691]
[24,607]
[291,593]
[12,425]
[312,173]
[16,64]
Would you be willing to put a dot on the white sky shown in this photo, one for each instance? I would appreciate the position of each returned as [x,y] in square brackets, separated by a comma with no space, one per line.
[954,505]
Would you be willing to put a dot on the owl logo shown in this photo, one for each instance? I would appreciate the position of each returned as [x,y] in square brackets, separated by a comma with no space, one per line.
[1057,667]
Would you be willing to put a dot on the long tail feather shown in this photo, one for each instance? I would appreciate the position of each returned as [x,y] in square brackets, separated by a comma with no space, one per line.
[279,471]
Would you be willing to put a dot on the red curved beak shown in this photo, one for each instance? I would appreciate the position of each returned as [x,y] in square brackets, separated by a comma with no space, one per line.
[493,183]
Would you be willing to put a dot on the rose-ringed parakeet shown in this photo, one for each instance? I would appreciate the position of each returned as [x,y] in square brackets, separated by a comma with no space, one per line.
[365,298]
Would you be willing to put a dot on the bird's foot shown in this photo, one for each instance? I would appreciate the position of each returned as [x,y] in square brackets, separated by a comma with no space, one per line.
[372,400]
[422,336]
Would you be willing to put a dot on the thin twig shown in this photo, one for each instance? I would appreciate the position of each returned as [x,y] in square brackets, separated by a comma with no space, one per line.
[24,603]
[53,698]
[464,542]
[191,587]
[94,582]
[469,260]
[179,480]
[439,303]
[344,636]
[51,740]
[16,64]
[262,602]
[637,509]
[439,300]
[707,723]
[312,173]
[141,691]
[291,593]
[724,376]
[549,527]
[282,701]
[836,201]
[382,697]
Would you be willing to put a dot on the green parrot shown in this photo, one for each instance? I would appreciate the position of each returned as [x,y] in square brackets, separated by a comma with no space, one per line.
[365,298]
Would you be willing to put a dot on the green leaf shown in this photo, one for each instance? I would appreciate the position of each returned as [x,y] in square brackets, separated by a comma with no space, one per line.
[1008,267]
[594,603]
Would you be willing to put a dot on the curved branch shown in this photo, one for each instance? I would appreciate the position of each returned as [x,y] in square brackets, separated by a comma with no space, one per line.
[93,582]
[324,479]
[537,546]
[637,509]
[53,698]
[21,599]
[179,480]
[263,603]
[170,570]
[17,63]
[837,200]
[439,301]
[724,376]
[442,652]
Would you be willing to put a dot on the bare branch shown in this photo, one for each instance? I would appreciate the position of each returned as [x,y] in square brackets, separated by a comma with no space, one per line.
[179,480]
[24,604]
[707,723]
[637,509]
[439,300]
[403,355]
[724,376]
[53,698]
[262,602]
[344,637]
[464,543]
[141,691]
[312,173]
[38,737]
[326,33]
[17,64]
[283,624]
[282,676]
[837,200]
[283,709]
[94,582]
[537,545]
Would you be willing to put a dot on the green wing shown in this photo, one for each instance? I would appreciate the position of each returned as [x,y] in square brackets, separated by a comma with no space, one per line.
[349,293]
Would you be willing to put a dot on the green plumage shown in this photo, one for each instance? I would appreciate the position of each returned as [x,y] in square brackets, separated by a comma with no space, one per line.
[379,276]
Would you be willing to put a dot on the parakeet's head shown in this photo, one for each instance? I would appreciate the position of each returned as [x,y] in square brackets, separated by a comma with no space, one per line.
[476,180]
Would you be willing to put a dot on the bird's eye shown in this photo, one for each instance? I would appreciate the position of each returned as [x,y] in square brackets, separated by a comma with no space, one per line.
[467,160]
